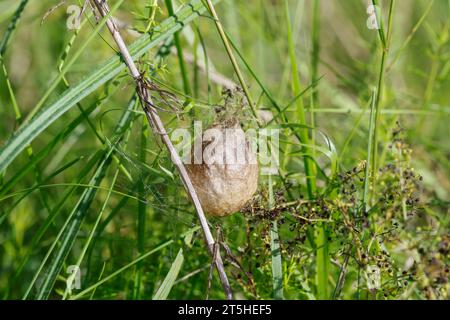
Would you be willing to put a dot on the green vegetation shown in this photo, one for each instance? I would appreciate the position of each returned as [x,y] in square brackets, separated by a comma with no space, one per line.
[358,207]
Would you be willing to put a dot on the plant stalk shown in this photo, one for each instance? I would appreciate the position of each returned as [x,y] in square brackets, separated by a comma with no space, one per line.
[156,122]
[229,50]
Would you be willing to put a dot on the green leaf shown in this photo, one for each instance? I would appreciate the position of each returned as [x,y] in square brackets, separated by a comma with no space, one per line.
[277,265]
[12,26]
[70,230]
[30,130]
[71,227]
[137,260]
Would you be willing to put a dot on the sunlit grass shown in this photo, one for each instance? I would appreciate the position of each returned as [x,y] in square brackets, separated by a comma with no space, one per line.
[363,174]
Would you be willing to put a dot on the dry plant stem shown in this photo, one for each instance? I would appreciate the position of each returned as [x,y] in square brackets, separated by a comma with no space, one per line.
[216,77]
[232,58]
[157,124]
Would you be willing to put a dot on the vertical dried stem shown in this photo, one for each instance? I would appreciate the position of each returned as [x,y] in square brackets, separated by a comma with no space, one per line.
[233,61]
[157,124]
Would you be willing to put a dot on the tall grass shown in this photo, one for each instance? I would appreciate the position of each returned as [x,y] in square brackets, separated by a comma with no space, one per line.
[385,46]
[86,182]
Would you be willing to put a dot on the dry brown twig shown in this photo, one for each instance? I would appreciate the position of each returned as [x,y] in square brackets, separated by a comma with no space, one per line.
[157,124]
[220,242]
[51,10]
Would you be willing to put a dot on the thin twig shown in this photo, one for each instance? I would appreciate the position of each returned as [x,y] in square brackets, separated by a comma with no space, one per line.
[341,279]
[216,253]
[156,122]
[51,10]
[233,61]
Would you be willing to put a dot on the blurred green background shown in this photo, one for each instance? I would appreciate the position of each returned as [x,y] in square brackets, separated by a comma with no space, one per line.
[149,206]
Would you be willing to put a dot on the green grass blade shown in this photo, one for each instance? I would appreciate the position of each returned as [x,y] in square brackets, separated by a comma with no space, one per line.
[183,69]
[12,96]
[230,54]
[171,277]
[52,216]
[315,52]
[72,226]
[380,85]
[126,122]
[304,136]
[252,72]
[66,67]
[277,265]
[12,26]
[93,81]
[92,233]
[370,147]
[129,265]
[142,208]
[119,271]
[410,36]
[71,230]
[310,169]
[43,153]
[322,261]
[277,268]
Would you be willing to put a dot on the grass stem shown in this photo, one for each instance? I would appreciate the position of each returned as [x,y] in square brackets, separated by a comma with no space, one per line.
[157,124]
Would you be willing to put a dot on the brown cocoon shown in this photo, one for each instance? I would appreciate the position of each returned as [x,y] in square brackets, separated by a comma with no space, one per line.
[224,187]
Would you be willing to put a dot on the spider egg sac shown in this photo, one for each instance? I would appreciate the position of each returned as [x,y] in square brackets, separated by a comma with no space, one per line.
[226,177]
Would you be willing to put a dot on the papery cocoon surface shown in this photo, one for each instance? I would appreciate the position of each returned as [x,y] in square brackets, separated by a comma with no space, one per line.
[225,171]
